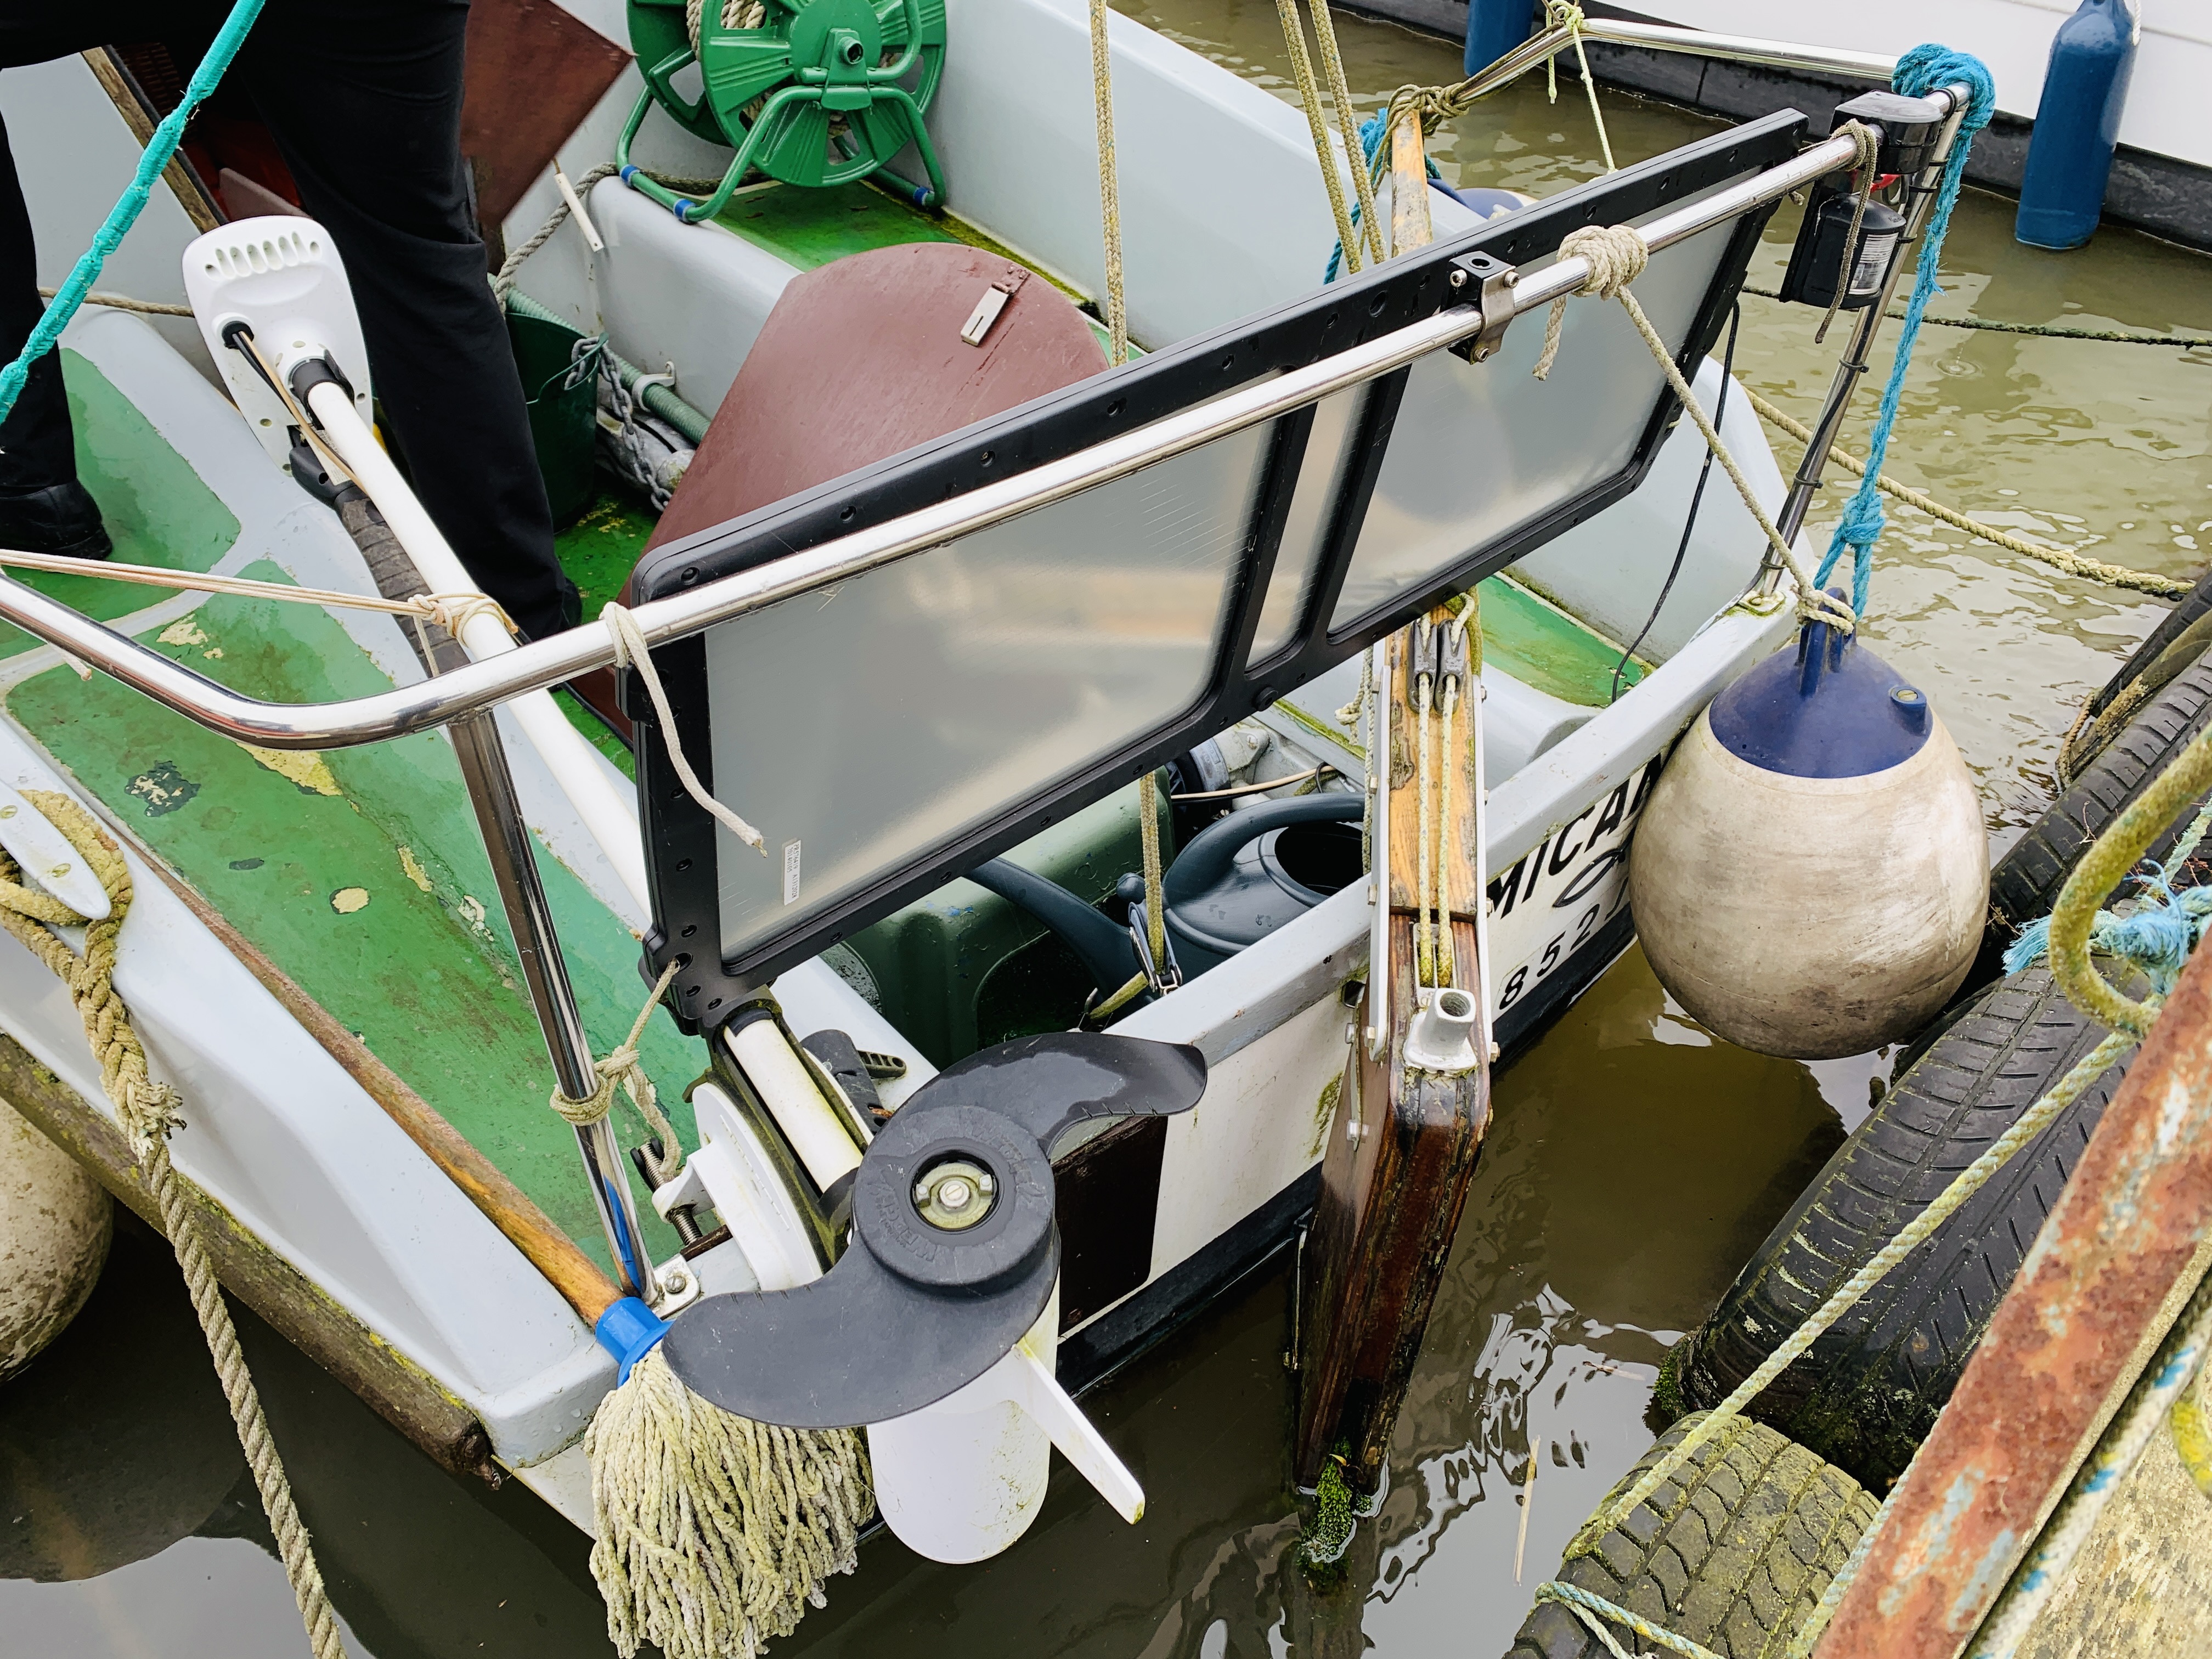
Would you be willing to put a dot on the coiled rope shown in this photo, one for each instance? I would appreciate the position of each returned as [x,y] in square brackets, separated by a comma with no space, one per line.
[2058,558]
[149,1111]
[1923,70]
[1617,256]
[153,161]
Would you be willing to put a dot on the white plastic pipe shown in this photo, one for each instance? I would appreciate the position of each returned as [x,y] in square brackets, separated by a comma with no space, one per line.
[788,1090]
[962,1480]
[609,814]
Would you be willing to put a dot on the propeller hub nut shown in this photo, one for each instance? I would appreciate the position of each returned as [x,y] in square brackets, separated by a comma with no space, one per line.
[955,1195]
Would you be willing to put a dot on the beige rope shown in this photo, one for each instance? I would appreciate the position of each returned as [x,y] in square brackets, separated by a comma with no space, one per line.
[1617,256]
[1109,188]
[1869,150]
[516,258]
[2059,558]
[1294,39]
[1148,837]
[735,14]
[632,651]
[148,1112]
[451,611]
[1347,122]
[624,1066]
[125,302]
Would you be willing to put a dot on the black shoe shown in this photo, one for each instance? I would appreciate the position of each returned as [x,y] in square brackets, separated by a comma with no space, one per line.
[572,605]
[60,519]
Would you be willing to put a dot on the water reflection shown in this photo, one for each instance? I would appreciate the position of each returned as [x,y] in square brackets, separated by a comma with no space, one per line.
[133,1527]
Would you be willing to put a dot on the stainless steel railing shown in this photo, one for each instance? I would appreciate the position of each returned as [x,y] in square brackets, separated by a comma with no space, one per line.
[480,685]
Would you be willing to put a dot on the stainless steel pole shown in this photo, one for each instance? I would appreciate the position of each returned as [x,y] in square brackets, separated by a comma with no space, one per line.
[1799,501]
[522,894]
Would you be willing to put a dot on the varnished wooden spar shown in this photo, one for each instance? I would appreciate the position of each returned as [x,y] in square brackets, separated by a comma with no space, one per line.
[1403,1145]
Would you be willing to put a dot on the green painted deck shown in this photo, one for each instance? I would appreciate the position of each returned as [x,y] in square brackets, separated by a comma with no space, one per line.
[1545,649]
[358,872]
[810,229]
[599,552]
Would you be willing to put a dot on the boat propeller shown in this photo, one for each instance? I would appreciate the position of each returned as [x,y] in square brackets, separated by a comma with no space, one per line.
[953,1255]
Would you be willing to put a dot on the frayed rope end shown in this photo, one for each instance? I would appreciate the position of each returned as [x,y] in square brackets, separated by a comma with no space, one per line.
[715,1534]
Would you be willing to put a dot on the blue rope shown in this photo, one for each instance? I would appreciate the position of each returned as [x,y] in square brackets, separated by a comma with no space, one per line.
[1923,70]
[159,149]
[2158,936]
[1372,132]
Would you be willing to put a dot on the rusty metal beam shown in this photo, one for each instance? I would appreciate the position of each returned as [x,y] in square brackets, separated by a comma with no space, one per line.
[2063,1341]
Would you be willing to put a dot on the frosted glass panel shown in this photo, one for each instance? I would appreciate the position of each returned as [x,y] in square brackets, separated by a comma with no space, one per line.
[1305,529]
[1478,450]
[862,727]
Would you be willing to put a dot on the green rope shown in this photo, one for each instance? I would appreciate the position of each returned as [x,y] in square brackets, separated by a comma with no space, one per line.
[159,149]
[2048,331]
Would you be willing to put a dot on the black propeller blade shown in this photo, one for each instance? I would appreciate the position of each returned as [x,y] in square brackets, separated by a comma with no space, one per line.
[954,1251]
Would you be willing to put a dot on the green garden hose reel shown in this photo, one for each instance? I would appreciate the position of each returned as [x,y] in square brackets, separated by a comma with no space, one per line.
[808,92]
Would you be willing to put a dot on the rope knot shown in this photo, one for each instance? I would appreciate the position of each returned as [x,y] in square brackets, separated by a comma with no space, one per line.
[1863,522]
[1617,256]
[623,1067]
[455,611]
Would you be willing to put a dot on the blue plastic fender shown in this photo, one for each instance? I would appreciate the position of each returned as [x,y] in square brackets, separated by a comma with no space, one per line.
[2077,124]
[1494,27]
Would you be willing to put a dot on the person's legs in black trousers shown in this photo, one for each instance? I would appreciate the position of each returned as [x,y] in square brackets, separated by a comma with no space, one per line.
[364,98]
[43,507]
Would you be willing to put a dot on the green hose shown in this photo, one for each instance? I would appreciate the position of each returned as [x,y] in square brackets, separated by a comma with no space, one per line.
[659,399]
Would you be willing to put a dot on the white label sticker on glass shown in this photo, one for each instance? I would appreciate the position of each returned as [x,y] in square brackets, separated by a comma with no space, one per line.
[791,872]
[1873,264]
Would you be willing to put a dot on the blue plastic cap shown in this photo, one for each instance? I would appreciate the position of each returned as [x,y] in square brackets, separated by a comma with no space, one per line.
[629,173]
[683,206]
[628,1330]
[1830,709]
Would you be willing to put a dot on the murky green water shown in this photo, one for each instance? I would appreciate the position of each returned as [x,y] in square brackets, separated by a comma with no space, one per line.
[1633,1164]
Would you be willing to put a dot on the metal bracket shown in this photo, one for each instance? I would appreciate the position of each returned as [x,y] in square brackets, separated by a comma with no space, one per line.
[1160,977]
[1489,282]
[46,858]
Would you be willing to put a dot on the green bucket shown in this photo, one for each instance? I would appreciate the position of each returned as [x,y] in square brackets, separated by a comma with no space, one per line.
[560,385]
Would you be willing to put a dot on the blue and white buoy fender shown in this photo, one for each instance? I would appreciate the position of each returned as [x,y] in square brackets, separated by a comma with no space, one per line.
[1810,877]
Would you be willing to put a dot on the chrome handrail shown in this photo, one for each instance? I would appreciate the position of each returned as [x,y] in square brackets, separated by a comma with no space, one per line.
[1741,49]
[479,685]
